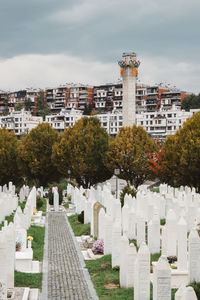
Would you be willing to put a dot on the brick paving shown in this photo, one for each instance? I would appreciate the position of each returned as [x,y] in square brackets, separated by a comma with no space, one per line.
[66,276]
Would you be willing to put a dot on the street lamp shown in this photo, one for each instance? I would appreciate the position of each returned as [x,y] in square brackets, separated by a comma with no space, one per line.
[116,172]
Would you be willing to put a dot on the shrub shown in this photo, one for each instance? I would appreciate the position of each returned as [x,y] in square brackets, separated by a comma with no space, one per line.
[127,190]
[196,287]
[81,217]
[39,202]
[98,246]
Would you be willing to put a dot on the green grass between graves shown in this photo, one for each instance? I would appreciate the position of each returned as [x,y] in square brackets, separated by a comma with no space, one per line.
[77,227]
[43,208]
[37,233]
[28,280]
[106,280]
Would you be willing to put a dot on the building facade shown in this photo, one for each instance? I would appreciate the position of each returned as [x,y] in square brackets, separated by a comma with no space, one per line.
[21,122]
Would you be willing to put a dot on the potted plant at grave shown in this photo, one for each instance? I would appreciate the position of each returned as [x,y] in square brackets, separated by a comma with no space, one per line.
[98,247]
[18,246]
[172,259]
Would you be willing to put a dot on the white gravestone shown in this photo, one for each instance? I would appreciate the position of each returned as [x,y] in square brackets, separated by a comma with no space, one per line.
[132,225]
[194,256]
[101,224]
[56,200]
[116,236]
[140,230]
[142,274]
[108,235]
[11,245]
[179,293]
[182,244]
[189,294]
[130,266]
[171,233]
[154,235]
[3,268]
[162,280]
[124,244]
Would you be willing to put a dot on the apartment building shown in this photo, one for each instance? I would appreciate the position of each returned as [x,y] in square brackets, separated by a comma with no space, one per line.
[3,102]
[69,96]
[148,98]
[158,124]
[21,122]
[64,119]
[22,97]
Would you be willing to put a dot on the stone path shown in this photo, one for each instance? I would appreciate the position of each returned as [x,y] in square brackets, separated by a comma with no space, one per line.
[64,272]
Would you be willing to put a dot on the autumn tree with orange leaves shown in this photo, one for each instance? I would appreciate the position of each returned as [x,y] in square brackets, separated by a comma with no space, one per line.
[179,163]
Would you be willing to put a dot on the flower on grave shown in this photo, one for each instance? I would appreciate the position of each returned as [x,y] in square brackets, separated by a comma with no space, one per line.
[98,246]
[32,219]
[30,238]
[34,210]
[18,246]
[171,259]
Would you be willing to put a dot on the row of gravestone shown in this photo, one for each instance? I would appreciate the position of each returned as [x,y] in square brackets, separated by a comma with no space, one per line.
[109,222]
[12,233]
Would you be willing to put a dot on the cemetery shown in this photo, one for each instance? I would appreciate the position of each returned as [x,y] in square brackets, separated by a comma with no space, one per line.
[153,240]
[149,248]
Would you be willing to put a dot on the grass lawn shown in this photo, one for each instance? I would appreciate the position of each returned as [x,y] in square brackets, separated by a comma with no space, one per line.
[22,205]
[77,227]
[44,205]
[28,280]
[106,280]
[37,233]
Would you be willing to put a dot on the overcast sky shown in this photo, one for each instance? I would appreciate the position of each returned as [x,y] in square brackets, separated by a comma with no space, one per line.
[49,42]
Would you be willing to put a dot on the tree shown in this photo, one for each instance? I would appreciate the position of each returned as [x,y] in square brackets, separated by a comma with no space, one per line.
[88,109]
[19,106]
[42,106]
[191,102]
[180,164]
[35,152]
[81,150]
[9,162]
[128,152]
[28,104]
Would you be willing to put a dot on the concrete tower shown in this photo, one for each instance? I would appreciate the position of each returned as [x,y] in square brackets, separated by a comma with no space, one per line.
[129,71]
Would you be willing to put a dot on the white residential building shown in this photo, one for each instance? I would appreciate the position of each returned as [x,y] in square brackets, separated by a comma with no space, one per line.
[20,122]
[158,124]
[64,119]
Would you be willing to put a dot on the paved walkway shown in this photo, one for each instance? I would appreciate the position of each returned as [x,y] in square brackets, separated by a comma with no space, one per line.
[64,273]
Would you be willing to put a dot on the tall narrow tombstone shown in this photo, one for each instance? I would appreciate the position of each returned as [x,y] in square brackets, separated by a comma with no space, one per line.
[101,225]
[10,238]
[140,230]
[56,200]
[171,233]
[130,265]
[142,274]
[125,211]
[3,268]
[124,244]
[108,235]
[116,237]
[194,256]
[154,235]
[182,244]
[132,225]
[162,280]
